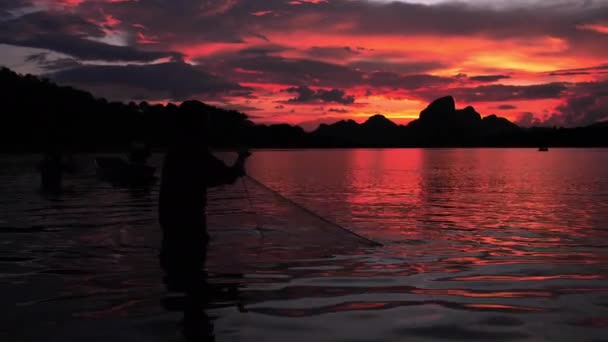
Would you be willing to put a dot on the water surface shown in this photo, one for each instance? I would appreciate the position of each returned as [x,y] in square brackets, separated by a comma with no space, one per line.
[479,244]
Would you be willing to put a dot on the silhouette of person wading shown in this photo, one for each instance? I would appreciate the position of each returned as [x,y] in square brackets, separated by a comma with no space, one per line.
[51,167]
[189,169]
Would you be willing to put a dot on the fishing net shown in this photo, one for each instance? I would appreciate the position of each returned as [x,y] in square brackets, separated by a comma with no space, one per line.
[250,223]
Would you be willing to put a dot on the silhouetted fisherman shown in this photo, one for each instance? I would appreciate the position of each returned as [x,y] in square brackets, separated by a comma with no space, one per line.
[139,153]
[189,169]
[51,169]
[138,172]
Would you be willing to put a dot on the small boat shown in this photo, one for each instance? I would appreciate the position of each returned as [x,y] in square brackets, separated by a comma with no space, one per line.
[543,149]
[122,173]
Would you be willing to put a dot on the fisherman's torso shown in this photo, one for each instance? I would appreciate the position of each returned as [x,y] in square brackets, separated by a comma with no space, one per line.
[183,194]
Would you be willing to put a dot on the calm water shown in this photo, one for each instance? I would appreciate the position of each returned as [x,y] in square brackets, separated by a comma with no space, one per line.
[479,244]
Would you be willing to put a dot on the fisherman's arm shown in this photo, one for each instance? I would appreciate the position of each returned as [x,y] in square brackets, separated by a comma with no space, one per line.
[219,173]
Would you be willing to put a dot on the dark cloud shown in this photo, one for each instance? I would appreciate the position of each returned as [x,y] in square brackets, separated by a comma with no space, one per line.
[582,110]
[450,19]
[71,35]
[569,73]
[43,60]
[197,22]
[402,67]
[500,92]
[339,110]
[527,119]
[176,81]
[587,103]
[239,108]
[182,21]
[488,78]
[261,36]
[8,5]
[14,4]
[262,50]
[39,58]
[506,107]
[580,71]
[332,52]
[307,95]
[85,49]
[49,23]
[188,22]
[408,82]
[279,70]
[456,19]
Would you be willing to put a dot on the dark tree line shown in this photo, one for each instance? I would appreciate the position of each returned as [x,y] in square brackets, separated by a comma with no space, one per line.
[38,114]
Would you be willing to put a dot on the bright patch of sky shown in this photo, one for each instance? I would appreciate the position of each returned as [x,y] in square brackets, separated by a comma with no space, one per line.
[116,39]
[14,57]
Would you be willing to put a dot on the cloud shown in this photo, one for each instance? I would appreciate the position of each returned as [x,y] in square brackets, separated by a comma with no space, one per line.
[238,107]
[380,64]
[407,82]
[293,71]
[90,50]
[262,50]
[6,6]
[501,92]
[49,22]
[339,110]
[183,22]
[280,70]
[581,71]
[190,22]
[527,119]
[176,81]
[397,18]
[488,78]
[506,107]
[332,52]
[45,62]
[71,35]
[588,105]
[569,73]
[307,95]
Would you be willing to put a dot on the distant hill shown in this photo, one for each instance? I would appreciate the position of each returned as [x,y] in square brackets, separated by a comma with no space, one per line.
[37,113]
[376,131]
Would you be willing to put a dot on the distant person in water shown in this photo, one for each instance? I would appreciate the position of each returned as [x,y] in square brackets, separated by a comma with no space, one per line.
[51,168]
[139,153]
[189,169]
[139,172]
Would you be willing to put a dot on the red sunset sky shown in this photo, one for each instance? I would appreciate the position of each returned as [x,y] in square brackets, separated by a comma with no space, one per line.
[311,61]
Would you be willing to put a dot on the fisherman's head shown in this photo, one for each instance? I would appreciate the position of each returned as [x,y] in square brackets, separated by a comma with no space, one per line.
[191,122]
[139,152]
